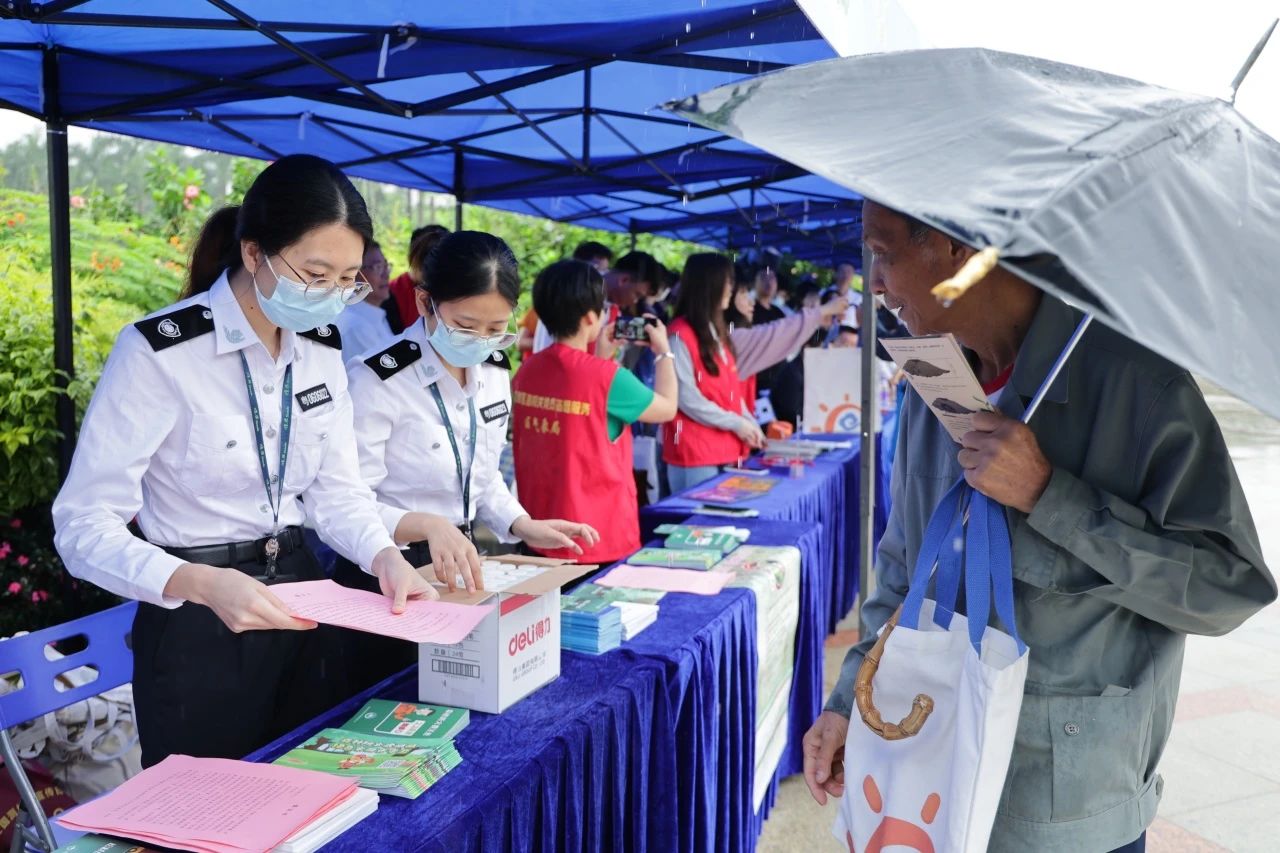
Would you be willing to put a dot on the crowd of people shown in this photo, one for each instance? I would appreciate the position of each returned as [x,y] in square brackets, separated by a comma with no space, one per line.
[298,385]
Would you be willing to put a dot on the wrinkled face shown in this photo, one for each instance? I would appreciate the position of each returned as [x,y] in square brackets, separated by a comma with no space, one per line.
[905,270]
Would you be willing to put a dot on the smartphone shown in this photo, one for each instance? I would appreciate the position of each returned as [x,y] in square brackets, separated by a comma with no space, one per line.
[632,328]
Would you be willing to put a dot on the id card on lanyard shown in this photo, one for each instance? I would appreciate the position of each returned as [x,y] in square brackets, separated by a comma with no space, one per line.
[464,477]
[272,548]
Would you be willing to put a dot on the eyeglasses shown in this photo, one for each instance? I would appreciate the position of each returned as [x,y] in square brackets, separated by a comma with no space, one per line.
[463,337]
[320,289]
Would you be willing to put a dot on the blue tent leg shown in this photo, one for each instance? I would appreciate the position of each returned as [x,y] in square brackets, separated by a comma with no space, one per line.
[60,254]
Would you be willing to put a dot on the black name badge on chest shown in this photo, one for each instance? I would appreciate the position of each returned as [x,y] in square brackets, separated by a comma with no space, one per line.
[312,397]
[495,411]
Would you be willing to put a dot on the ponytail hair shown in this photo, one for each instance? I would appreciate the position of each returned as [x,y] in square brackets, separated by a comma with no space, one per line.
[292,196]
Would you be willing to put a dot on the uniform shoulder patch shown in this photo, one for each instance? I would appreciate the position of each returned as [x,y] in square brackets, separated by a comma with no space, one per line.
[393,359]
[499,359]
[327,335]
[175,327]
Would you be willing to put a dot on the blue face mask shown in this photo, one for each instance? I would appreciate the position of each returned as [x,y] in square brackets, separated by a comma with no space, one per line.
[459,354]
[290,308]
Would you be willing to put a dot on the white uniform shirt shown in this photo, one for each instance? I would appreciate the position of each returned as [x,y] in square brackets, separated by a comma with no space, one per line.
[169,438]
[364,328]
[405,455]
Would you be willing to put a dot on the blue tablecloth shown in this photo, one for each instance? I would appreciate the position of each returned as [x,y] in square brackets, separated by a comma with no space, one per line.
[645,748]
[827,496]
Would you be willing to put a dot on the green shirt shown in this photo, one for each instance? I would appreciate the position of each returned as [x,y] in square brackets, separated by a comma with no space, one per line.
[628,398]
[1142,536]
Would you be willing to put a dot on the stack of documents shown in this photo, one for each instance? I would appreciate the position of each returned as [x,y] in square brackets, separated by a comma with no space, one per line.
[687,536]
[217,805]
[395,748]
[595,619]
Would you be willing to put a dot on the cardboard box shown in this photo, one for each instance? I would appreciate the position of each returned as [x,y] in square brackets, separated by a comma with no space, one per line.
[512,653]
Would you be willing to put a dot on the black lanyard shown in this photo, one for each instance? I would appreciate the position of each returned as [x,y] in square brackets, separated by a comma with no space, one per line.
[464,479]
[272,547]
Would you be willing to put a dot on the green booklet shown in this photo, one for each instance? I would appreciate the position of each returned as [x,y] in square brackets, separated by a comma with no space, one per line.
[593,598]
[676,558]
[377,762]
[412,722]
[687,536]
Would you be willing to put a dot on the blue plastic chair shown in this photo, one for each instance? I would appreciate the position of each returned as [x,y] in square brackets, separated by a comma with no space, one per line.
[108,651]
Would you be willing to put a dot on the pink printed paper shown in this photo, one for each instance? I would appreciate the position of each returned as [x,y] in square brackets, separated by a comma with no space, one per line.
[212,805]
[668,580]
[421,622]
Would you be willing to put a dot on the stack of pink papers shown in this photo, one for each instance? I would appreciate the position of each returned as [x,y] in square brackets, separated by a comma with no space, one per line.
[667,580]
[421,622]
[213,805]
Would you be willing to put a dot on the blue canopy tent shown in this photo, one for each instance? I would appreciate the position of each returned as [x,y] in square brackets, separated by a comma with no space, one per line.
[541,108]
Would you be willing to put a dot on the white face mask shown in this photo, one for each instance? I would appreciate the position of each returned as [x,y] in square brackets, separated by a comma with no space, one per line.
[290,308]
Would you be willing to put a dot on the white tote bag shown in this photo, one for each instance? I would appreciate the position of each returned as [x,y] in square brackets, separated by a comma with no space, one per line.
[933,781]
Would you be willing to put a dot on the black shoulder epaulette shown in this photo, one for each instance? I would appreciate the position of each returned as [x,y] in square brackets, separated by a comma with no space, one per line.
[185,324]
[393,359]
[327,335]
[499,359]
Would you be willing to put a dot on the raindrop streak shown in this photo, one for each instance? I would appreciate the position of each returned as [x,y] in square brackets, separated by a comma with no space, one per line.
[687,26]
[753,36]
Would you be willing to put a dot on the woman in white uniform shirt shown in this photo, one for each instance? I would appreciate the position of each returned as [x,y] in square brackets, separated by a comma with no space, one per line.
[431,414]
[199,410]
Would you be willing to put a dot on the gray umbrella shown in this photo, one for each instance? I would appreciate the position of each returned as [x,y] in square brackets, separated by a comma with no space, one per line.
[1156,211]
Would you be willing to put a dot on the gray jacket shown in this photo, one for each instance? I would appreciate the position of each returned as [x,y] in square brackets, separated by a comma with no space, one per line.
[1142,536]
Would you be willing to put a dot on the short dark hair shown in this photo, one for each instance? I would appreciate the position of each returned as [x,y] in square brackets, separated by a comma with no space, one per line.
[429,228]
[564,293]
[589,250]
[469,263]
[846,330]
[641,266]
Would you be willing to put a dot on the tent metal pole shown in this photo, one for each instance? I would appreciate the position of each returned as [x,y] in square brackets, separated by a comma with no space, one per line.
[60,267]
[459,188]
[586,118]
[870,426]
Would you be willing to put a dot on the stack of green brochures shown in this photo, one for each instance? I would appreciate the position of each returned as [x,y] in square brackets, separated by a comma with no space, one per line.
[396,748]
[688,536]
[676,558]
[595,619]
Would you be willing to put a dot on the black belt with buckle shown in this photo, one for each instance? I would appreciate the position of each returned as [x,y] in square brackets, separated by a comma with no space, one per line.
[236,554]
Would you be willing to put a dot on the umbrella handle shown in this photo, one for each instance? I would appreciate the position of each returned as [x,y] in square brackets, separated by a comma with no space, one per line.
[974,270]
[921,707]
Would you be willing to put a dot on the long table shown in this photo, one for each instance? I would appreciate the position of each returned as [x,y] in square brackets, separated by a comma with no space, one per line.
[648,747]
[827,496]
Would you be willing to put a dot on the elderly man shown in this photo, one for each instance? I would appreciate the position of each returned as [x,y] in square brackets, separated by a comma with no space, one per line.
[1129,528]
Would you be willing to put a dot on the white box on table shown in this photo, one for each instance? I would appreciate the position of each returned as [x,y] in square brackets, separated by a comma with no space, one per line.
[513,652]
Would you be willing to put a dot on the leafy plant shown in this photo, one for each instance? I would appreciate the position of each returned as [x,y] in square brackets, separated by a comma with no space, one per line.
[181,202]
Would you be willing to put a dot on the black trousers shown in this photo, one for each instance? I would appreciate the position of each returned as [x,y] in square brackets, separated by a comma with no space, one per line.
[372,658]
[201,689]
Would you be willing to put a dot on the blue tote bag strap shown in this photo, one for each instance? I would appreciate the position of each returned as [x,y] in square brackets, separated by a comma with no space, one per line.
[989,570]
[938,548]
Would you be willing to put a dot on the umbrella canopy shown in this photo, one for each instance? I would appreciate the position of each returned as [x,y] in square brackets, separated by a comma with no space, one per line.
[1156,211]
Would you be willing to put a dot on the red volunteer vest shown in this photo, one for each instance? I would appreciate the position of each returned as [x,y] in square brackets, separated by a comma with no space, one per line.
[566,466]
[686,442]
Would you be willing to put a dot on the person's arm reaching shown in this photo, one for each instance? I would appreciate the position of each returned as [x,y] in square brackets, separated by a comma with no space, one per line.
[761,347]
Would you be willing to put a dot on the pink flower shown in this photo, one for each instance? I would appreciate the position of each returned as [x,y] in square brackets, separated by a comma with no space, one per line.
[35,596]
[22,560]
[15,588]
[40,594]
[191,192]
[5,548]
[15,523]
[77,201]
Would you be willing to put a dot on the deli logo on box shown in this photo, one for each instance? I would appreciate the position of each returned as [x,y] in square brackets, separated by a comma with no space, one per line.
[526,638]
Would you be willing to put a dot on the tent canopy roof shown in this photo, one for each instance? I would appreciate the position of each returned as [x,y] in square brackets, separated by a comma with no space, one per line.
[546,108]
